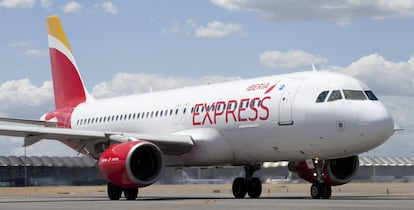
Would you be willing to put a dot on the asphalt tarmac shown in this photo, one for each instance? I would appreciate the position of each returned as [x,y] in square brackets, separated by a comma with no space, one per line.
[286,196]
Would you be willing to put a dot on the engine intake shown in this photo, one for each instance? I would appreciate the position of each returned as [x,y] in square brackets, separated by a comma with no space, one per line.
[132,164]
[335,171]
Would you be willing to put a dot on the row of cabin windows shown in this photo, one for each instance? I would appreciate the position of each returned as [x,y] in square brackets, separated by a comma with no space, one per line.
[162,113]
[124,117]
[347,94]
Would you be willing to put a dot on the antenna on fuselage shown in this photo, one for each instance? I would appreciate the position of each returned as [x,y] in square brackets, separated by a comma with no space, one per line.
[313,67]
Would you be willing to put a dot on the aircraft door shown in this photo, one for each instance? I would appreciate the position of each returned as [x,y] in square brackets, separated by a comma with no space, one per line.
[286,102]
[184,113]
[176,115]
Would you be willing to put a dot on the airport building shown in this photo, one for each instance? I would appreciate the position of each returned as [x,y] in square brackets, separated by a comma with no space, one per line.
[38,171]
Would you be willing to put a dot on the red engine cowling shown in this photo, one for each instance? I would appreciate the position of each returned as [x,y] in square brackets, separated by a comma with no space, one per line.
[334,172]
[132,164]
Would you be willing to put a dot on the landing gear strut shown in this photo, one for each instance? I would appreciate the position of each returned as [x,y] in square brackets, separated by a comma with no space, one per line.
[320,189]
[115,192]
[250,185]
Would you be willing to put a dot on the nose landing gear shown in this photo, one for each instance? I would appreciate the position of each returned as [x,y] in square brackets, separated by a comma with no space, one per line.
[321,190]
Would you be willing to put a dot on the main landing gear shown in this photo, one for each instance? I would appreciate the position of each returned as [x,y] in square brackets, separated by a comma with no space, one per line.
[250,185]
[115,192]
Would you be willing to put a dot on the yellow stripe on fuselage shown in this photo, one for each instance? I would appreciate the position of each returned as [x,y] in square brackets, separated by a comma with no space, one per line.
[54,28]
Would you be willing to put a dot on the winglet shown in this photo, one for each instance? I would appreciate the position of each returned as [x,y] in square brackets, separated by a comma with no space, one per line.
[68,86]
[397,128]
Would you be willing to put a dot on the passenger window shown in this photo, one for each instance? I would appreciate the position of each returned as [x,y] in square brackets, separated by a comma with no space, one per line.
[354,95]
[335,95]
[371,96]
[322,96]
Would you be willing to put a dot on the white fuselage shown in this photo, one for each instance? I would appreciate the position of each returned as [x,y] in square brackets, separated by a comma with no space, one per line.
[265,119]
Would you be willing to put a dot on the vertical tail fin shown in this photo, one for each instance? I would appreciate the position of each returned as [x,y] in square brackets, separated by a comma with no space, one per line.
[68,86]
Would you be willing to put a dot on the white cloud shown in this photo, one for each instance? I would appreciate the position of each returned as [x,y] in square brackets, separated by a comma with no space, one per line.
[71,7]
[109,7]
[387,77]
[218,29]
[125,84]
[23,99]
[340,11]
[290,59]
[46,3]
[192,22]
[21,44]
[17,3]
[36,53]
[173,28]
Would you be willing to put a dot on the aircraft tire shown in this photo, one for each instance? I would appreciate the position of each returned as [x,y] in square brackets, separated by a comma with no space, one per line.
[326,191]
[131,194]
[239,187]
[316,191]
[323,191]
[114,192]
[254,188]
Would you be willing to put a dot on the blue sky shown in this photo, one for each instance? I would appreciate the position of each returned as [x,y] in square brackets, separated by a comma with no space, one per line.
[199,41]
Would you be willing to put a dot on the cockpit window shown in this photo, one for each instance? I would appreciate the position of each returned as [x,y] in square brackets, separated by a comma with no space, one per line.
[322,96]
[371,95]
[335,95]
[354,95]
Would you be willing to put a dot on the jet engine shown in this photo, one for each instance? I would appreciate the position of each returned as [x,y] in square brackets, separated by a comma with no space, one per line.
[131,164]
[334,172]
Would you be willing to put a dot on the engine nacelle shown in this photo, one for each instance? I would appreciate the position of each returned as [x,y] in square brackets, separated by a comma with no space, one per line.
[131,164]
[334,172]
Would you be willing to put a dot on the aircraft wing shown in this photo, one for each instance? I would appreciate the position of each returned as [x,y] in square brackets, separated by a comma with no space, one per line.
[29,121]
[87,139]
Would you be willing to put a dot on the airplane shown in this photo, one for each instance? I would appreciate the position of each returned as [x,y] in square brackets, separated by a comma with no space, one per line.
[319,121]
[287,179]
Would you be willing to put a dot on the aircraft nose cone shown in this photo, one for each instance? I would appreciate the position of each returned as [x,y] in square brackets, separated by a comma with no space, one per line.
[376,124]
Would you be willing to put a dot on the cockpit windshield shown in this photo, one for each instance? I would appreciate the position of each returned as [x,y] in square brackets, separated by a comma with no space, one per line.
[356,95]
[335,95]
[371,95]
[322,96]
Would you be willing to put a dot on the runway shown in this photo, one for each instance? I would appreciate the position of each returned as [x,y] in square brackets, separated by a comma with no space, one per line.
[291,196]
